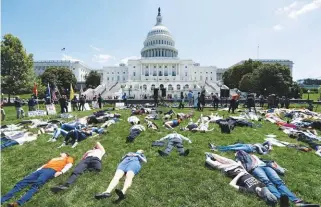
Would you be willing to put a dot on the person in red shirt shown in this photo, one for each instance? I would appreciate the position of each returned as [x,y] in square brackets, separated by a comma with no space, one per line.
[54,168]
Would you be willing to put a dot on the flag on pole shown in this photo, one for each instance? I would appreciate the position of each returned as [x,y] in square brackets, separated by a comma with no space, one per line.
[63,49]
[35,90]
[72,94]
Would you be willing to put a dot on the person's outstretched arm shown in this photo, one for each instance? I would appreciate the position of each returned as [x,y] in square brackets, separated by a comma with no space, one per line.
[164,138]
[99,146]
[185,138]
[142,158]
[234,181]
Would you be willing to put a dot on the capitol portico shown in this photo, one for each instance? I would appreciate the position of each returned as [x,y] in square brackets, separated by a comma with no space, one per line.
[159,67]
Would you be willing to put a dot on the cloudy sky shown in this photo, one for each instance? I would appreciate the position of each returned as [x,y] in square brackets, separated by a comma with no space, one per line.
[211,32]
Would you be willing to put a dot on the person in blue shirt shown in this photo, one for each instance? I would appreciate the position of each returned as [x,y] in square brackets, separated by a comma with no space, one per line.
[129,166]
[32,103]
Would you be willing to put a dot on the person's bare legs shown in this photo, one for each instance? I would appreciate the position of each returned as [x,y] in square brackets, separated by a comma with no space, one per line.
[223,160]
[114,182]
[128,181]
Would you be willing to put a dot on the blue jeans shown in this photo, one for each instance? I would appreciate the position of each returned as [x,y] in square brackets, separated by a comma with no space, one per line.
[35,179]
[5,142]
[275,184]
[64,129]
[97,130]
[59,131]
[236,147]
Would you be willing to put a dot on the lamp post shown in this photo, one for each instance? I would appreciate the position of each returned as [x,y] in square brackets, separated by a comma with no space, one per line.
[308,95]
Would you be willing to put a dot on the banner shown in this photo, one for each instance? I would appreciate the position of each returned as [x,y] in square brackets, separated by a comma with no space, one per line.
[87,107]
[51,109]
[120,104]
[37,113]
[95,104]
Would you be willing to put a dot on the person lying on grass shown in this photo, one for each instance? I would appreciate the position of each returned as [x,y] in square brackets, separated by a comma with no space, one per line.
[134,131]
[65,128]
[91,161]
[173,123]
[174,140]
[242,180]
[151,125]
[183,116]
[264,148]
[133,120]
[203,127]
[110,122]
[54,168]
[129,166]
[267,175]
[75,136]
[190,126]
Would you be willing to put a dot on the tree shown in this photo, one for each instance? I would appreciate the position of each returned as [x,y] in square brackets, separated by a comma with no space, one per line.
[246,83]
[233,76]
[17,75]
[275,78]
[92,79]
[60,77]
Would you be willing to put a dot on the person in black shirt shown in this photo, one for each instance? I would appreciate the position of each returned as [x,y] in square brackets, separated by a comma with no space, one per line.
[82,101]
[100,100]
[242,180]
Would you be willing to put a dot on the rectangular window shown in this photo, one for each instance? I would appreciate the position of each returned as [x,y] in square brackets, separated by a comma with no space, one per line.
[146,72]
[166,71]
[134,73]
[155,72]
[185,73]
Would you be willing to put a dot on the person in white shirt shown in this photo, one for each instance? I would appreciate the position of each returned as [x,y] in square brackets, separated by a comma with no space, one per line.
[91,160]
[134,131]
[133,120]
[174,140]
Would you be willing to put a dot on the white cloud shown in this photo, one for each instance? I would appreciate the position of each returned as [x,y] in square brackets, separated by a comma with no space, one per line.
[125,60]
[278,27]
[287,8]
[67,57]
[95,48]
[306,8]
[103,58]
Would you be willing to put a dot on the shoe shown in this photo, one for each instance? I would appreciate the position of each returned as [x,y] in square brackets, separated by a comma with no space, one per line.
[102,195]
[15,204]
[58,188]
[74,145]
[209,155]
[161,153]
[186,153]
[63,144]
[53,140]
[120,194]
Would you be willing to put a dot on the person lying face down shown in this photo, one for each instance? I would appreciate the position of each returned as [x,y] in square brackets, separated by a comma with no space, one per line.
[151,125]
[130,166]
[134,131]
[55,167]
[190,126]
[268,176]
[173,123]
[75,136]
[174,140]
[241,179]
[264,148]
[91,161]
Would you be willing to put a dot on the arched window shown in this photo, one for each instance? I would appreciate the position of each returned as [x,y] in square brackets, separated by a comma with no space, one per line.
[186,86]
[170,87]
[152,87]
[178,87]
[145,87]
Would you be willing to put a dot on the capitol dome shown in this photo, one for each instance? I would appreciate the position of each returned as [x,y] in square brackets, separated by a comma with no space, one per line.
[159,41]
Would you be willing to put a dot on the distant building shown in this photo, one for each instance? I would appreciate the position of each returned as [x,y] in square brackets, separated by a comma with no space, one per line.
[79,69]
[287,63]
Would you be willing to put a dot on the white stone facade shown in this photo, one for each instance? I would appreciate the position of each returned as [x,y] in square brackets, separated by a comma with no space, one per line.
[78,68]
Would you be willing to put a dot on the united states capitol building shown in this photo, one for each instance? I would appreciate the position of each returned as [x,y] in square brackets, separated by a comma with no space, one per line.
[159,67]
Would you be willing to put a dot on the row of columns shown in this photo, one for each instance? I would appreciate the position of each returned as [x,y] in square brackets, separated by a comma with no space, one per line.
[159,53]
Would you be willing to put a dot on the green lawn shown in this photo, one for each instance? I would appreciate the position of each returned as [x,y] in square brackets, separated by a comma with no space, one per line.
[312,96]
[171,181]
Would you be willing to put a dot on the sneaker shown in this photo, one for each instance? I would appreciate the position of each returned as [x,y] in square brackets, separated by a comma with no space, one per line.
[53,140]
[161,153]
[209,155]
[212,146]
[74,145]
[49,140]
[63,144]
[58,188]
[121,195]
[186,152]
[102,195]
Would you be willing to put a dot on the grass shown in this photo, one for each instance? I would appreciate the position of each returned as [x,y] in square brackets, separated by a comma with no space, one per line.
[312,96]
[171,181]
